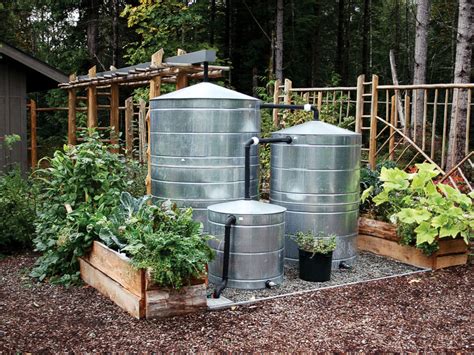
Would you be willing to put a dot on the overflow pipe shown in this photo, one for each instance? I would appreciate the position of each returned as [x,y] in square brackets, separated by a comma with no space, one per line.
[225,267]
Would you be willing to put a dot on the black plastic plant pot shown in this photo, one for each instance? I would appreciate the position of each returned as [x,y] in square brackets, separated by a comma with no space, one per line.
[315,267]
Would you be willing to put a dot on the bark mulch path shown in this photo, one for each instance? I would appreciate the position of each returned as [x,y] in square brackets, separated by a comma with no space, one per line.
[422,312]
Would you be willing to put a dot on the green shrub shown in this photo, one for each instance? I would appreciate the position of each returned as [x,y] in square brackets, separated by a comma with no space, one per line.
[321,243]
[162,239]
[17,212]
[81,186]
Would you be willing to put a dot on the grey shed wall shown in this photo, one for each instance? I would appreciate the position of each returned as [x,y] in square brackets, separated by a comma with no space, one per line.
[13,112]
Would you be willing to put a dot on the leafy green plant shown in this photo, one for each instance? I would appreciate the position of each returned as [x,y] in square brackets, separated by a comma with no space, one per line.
[81,187]
[17,211]
[424,211]
[163,239]
[321,243]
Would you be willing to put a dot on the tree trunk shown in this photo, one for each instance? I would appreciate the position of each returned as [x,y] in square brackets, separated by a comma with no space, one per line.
[421,54]
[228,33]
[315,44]
[279,41]
[365,39]
[115,38]
[340,38]
[212,22]
[462,73]
[92,17]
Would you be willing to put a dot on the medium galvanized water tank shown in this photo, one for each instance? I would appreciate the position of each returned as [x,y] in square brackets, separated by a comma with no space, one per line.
[257,243]
[197,137]
[316,178]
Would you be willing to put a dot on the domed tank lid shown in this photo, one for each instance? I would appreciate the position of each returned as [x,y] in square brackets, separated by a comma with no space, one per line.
[316,128]
[246,207]
[205,91]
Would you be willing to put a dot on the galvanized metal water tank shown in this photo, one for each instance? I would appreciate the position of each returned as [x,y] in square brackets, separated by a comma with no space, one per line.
[316,178]
[257,243]
[197,137]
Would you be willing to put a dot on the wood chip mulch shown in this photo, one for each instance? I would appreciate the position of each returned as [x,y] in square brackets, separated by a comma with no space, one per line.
[431,311]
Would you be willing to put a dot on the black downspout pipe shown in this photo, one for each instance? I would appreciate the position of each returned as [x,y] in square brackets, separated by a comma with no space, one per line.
[306,107]
[206,72]
[247,145]
[225,268]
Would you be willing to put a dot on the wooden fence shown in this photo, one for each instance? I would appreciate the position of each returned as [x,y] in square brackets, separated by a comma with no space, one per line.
[389,120]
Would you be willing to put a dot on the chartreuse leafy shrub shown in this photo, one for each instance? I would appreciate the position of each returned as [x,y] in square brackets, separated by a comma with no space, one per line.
[81,186]
[424,211]
[161,238]
[321,243]
[17,212]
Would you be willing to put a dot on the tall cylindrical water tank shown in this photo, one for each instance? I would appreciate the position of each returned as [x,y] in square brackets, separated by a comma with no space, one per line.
[197,137]
[316,178]
[257,243]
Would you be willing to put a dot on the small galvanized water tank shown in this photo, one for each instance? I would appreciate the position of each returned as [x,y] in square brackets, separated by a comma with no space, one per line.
[256,247]
[316,178]
[197,135]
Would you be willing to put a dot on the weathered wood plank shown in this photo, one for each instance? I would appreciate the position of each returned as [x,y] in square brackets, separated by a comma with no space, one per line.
[393,250]
[166,302]
[112,289]
[450,260]
[451,246]
[378,229]
[117,267]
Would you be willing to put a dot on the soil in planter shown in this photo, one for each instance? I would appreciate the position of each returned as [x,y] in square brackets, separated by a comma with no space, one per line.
[367,267]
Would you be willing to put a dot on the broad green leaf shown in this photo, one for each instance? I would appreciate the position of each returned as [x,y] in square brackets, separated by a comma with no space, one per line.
[425,233]
[440,221]
[428,168]
[366,193]
[394,179]
[450,230]
[381,198]
[411,215]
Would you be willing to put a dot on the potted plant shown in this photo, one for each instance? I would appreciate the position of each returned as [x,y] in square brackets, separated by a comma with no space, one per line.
[315,255]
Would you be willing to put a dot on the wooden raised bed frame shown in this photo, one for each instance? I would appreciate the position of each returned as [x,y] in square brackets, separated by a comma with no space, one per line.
[112,275]
[381,238]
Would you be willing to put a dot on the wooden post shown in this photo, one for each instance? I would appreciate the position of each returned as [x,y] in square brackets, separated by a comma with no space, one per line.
[34,152]
[276,100]
[359,103]
[71,115]
[92,101]
[320,100]
[287,89]
[393,121]
[142,131]
[129,127]
[373,123]
[155,83]
[114,116]
[406,129]
[181,77]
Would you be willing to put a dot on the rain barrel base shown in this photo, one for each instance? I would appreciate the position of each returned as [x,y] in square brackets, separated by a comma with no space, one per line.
[246,284]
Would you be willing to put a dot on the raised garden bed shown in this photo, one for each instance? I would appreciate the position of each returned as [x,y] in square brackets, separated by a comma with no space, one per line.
[113,275]
[381,238]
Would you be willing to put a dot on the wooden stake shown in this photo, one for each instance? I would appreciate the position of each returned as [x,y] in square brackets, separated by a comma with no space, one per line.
[445,129]
[34,152]
[276,100]
[406,128]
[359,103]
[114,116]
[433,126]
[392,131]
[71,115]
[92,101]
[373,123]
[129,127]
[181,78]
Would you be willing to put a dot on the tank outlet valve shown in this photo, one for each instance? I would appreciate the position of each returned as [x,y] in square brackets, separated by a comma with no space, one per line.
[269,284]
[344,266]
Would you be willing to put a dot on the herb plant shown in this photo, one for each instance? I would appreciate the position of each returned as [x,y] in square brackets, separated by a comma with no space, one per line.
[425,211]
[321,243]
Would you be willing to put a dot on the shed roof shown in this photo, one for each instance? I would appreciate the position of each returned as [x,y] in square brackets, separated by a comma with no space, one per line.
[40,76]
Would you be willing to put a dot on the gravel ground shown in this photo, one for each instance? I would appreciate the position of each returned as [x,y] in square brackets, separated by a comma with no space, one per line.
[430,311]
[367,267]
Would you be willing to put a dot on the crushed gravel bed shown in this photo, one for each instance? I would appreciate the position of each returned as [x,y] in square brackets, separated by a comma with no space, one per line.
[424,312]
[366,267]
